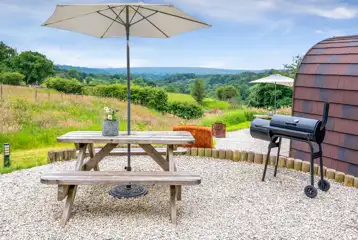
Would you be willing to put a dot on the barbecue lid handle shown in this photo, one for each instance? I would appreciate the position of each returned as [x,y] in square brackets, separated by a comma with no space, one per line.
[325,115]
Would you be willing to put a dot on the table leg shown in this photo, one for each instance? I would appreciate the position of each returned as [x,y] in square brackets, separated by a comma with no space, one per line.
[173,167]
[73,188]
[92,153]
[173,208]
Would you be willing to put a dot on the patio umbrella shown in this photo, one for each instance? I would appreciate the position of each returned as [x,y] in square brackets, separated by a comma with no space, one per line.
[124,20]
[276,79]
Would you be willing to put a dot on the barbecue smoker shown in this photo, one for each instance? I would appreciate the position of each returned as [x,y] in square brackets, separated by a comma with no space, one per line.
[294,128]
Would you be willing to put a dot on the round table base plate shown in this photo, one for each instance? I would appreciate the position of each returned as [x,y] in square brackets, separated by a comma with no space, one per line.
[123,191]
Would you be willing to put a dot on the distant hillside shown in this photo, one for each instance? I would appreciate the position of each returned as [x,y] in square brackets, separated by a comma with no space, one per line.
[159,70]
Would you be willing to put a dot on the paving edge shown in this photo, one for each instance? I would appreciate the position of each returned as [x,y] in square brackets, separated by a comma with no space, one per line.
[284,162]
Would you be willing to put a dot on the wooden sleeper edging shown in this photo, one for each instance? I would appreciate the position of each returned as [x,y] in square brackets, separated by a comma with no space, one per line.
[236,155]
[215,153]
[250,157]
[349,180]
[306,166]
[258,158]
[207,152]
[201,152]
[243,156]
[331,173]
[290,163]
[194,151]
[222,154]
[339,177]
[297,164]
[229,154]
[282,162]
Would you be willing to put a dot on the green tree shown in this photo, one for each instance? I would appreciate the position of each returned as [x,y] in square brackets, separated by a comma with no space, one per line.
[35,66]
[198,90]
[263,94]
[138,82]
[12,78]
[7,53]
[292,68]
[226,92]
[74,73]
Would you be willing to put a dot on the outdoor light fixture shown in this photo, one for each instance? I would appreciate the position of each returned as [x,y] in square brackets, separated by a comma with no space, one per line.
[6,155]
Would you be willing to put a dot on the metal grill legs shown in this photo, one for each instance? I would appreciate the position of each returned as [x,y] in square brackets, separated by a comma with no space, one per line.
[309,190]
[272,145]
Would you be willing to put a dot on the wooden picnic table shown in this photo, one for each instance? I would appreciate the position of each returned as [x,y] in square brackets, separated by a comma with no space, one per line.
[68,181]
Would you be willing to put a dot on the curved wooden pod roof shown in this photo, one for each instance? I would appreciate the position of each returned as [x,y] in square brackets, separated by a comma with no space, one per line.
[329,73]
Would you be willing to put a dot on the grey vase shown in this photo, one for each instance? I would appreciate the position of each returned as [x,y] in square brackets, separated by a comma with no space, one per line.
[110,128]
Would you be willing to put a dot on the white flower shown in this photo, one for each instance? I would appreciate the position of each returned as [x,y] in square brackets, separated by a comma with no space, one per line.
[109,117]
[106,109]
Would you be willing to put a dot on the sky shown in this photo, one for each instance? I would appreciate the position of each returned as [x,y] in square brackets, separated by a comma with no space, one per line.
[245,34]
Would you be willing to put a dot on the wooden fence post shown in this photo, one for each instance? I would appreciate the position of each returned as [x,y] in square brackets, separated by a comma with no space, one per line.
[36,95]
[1,91]
[48,95]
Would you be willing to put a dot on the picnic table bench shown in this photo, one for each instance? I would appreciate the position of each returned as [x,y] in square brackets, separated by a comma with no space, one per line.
[68,181]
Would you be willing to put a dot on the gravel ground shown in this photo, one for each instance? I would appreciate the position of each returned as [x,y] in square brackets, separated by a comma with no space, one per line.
[242,140]
[231,203]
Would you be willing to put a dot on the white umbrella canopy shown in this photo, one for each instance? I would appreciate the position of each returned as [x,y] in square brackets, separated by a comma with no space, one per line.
[110,20]
[276,78]
[119,20]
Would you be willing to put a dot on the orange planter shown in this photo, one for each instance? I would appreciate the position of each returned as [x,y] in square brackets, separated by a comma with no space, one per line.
[203,135]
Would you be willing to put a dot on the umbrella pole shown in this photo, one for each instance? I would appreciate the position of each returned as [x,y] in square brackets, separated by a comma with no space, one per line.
[275,100]
[131,190]
[128,168]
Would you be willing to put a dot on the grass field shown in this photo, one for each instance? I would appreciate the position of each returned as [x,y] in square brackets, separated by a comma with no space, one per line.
[208,103]
[31,121]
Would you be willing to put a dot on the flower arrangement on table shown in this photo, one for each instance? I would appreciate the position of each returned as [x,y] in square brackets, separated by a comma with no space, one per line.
[110,114]
[110,123]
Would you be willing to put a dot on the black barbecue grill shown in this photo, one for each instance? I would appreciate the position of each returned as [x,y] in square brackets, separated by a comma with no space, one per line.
[295,128]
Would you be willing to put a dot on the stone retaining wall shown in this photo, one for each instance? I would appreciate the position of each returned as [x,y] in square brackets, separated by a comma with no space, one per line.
[283,162]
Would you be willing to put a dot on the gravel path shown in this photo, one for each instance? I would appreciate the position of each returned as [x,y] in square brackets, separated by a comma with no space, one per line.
[242,140]
[231,203]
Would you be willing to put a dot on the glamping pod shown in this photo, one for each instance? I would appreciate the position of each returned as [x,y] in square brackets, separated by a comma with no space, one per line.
[329,73]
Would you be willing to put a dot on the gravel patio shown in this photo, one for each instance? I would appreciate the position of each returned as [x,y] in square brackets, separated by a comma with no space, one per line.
[242,140]
[231,203]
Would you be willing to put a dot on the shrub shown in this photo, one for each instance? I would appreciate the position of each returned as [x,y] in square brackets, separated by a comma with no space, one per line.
[230,118]
[185,110]
[151,97]
[12,78]
[64,85]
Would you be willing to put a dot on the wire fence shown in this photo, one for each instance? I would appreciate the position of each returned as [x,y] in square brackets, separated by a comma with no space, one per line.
[8,92]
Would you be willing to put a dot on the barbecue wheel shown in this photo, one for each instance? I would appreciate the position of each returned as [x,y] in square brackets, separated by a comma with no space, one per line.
[310,191]
[324,185]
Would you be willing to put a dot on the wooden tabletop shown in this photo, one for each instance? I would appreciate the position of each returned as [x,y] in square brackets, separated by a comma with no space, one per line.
[150,137]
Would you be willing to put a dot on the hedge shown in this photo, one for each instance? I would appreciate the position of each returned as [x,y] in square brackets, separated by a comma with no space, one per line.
[152,97]
[65,85]
[185,110]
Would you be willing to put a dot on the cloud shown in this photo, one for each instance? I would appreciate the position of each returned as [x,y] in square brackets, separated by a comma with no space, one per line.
[256,11]
[335,13]
[331,32]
